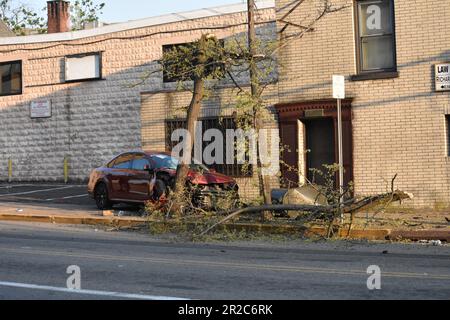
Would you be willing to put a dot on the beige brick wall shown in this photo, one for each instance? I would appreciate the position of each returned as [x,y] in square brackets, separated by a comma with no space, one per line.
[93,121]
[398,123]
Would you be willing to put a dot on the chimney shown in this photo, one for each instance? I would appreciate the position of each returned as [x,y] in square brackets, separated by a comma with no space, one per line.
[58,16]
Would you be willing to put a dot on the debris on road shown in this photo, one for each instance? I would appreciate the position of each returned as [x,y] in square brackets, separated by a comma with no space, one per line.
[435,243]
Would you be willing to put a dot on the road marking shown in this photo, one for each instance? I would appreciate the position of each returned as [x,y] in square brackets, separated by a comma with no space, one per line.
[34,191]
[40,185]
[88,292]
[16,186]
[70,197]
[203,263]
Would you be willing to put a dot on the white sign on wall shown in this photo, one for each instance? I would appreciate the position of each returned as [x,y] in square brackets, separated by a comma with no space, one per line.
[443,77]
[338,87]
[41,109]
[83,67]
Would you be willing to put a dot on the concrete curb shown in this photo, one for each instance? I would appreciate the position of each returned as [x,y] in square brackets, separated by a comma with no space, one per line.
[372,234]
[82,220]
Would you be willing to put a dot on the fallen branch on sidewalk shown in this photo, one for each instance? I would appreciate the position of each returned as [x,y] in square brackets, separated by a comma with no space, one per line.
[319,211]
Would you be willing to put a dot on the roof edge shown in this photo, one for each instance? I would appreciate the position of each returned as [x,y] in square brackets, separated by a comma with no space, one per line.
[135,24]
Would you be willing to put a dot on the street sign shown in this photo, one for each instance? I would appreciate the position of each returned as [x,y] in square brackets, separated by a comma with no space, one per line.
[338,87]
[442,77]
[41,109]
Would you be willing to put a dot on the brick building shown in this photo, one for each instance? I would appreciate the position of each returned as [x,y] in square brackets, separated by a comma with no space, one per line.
[76,95]
[395,119]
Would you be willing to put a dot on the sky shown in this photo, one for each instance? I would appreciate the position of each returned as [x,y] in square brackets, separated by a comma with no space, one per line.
[124,10]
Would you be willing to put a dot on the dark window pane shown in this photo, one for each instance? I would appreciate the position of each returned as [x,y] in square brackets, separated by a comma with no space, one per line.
[123,162]
[375,18]
[176,72]
[11,78]
[376,36]
[140,163]
[377,53]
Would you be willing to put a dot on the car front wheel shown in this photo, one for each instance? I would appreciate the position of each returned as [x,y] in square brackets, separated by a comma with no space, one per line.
[101,197]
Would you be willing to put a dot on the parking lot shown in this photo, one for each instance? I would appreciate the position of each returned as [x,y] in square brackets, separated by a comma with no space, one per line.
[46,194]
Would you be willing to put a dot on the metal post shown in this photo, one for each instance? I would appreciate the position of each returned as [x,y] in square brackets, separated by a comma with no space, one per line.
[66,170]
[341,157]
[9,170]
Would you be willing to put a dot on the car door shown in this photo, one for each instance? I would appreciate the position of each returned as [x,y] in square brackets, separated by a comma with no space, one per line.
[139,181]
[119,177]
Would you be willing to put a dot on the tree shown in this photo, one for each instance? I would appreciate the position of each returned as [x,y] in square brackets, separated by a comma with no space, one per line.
[19,17]
[198,61]
[209,59]
[84,11]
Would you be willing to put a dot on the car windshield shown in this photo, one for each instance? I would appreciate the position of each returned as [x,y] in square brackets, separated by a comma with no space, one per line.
[163,161]
[168,162]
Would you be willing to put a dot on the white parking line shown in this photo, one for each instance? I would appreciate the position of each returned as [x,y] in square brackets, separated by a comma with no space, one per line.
[35,191]
[70,197]
[10,186]
[16,186]
[87,292]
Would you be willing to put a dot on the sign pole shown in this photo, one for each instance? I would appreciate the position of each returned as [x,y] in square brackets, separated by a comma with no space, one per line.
[341,156]
[339,94]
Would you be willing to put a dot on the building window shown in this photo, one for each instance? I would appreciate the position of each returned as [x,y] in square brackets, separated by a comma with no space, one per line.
[376,36]
[173,73]
[11,78]
[83,67]
[222,124]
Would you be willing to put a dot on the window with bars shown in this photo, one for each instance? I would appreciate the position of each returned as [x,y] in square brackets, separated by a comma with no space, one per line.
[222,124]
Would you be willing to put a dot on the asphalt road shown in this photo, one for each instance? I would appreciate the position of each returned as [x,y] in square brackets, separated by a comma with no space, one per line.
[34,260]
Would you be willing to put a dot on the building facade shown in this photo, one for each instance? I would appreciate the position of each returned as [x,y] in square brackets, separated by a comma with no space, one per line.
[395,119]
[79,95]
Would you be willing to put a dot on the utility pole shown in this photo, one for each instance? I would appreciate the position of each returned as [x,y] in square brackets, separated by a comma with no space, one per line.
[264,187]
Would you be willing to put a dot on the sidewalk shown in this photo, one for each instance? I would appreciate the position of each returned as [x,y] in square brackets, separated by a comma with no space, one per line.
[63,214]
[385,229]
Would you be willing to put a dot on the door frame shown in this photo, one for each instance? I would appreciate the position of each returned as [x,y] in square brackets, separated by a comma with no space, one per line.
[288,116]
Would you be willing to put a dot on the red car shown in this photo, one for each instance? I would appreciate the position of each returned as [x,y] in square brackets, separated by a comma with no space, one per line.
[138,176]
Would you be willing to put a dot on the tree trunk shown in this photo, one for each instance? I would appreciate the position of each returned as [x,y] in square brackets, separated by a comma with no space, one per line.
[264,186]
[192,116]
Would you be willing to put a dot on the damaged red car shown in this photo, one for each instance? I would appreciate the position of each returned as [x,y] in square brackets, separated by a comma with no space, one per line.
[138,177]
